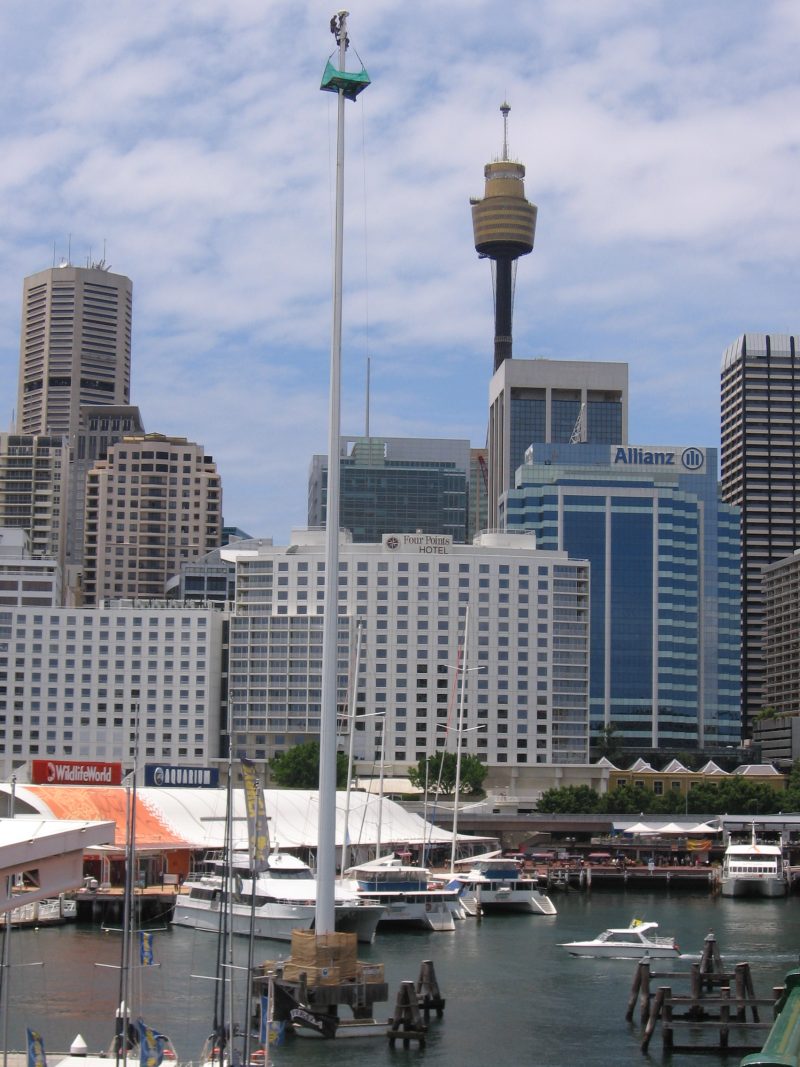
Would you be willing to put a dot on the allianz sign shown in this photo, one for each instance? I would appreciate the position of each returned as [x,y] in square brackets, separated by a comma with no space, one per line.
[691,459]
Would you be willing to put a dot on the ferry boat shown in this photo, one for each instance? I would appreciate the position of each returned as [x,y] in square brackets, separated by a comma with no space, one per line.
[495,883]
[406,895]
[285,900]
[629,942]
[753,869]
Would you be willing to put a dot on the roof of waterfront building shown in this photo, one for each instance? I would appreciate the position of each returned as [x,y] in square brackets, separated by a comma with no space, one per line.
[173,818]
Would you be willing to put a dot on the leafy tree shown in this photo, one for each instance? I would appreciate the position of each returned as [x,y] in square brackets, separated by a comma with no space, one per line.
[441,772]
[298,767]
[569,800]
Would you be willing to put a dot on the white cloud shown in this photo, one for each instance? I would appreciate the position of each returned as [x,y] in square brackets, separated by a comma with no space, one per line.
[661,144]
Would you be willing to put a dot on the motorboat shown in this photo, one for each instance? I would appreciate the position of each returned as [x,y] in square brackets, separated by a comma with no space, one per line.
[629,942]
[753,869]
[285,900]
[407,894]
[495,883]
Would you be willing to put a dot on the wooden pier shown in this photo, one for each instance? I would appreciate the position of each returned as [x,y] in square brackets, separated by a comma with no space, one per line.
[716,1005]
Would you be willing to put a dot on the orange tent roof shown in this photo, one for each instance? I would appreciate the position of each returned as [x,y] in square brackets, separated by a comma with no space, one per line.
[100,802]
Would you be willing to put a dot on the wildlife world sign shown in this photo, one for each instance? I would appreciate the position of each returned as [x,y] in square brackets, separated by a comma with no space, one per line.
[75,772]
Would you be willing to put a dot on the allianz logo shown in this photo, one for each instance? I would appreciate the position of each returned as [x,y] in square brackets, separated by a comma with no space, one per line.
[691,459]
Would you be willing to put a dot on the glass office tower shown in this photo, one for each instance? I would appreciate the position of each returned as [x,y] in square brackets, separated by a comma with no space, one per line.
[665,604]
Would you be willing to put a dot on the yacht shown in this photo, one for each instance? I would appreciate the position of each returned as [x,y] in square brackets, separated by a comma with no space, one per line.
[753,869]
[629,942]
[284,900]
[496,883]
[409,897]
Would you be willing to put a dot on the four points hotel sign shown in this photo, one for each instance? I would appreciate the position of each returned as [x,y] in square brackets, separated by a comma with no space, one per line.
[427,544]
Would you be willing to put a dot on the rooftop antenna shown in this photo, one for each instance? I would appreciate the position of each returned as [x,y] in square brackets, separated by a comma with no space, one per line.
[366,427]
[54,252]
[69,249]
[505,107]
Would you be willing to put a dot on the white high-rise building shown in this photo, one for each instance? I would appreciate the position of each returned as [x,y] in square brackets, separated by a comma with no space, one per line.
[526,683]
[76,682]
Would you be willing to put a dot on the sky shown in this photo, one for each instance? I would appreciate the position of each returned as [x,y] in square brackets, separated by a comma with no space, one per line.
[190,146]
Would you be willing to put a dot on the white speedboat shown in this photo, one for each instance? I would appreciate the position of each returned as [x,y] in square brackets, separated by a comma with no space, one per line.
[630,942]
[406,895]
[753,869]
[495,883]
[285,900]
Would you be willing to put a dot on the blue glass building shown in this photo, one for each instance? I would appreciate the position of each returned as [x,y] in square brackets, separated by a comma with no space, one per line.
[664,587]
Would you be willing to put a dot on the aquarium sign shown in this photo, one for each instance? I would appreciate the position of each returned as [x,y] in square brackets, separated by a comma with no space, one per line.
[163,774]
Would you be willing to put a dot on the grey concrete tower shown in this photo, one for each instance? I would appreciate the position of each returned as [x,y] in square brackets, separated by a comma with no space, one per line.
[504,224]
[75,346]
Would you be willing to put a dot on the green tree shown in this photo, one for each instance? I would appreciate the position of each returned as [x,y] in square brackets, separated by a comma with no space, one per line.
[298,767]
[441,773]
[569,800]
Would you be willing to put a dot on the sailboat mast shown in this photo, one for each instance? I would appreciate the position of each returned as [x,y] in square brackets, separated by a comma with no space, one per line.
[326,829]
[459,731]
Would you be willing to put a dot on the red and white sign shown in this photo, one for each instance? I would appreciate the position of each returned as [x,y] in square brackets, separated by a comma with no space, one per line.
[75,772]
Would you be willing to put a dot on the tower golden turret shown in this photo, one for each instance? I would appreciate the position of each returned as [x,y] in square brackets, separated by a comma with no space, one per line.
[504,224]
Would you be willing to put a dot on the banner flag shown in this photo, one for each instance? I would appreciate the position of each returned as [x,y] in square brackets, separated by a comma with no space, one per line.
[146,957]
[257,828]
[36,1056]
[151,1045]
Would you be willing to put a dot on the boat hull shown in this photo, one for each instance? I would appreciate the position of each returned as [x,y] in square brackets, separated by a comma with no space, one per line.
[752,887]
[276,921]
[621,952]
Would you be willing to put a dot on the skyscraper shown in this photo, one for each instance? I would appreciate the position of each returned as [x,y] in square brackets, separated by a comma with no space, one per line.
[33,490]
[75,346]
[760,464]
[152,504]
[542,401]
[396,485]
[664,555]
[504,225]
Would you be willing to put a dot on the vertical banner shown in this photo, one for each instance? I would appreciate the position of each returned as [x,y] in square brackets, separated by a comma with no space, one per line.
[151,1045]
[36,1056]
[257,829]
[146,957]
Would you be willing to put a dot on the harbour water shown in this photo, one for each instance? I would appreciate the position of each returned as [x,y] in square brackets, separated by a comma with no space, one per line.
[513,995]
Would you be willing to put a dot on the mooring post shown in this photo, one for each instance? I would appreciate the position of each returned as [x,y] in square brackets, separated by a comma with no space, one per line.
[428,993]
[406,1024]
[644,990]
[667,1035]
[724,1016]
[637,984]
[658,1004]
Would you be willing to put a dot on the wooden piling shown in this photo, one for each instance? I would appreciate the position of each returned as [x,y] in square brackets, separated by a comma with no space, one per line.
[429,997]
[406,1025]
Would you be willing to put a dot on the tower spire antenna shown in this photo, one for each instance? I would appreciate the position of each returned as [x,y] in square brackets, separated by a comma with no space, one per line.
[505,107]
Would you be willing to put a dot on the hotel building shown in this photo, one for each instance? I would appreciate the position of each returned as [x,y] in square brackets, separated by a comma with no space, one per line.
[526,678]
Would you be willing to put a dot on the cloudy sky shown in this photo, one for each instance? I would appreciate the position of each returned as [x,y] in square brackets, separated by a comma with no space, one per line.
[191,142]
